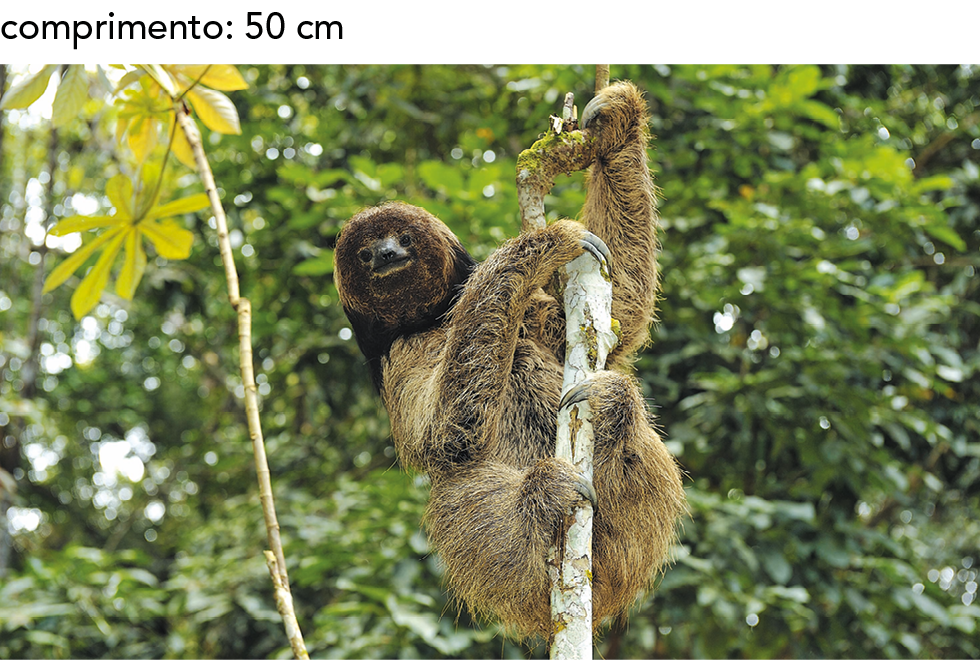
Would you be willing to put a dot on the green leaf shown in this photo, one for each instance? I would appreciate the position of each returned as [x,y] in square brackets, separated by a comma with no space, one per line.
[142,575]
[390,174]
[930,608]
[795,510]
[23,613]
[423,624]
[28,89]
[820,113]
[321,265]
[946,234]
[803,80]
[929,183]
[776,566]
[442,177]
[797,594]
[71,95]
[44,638]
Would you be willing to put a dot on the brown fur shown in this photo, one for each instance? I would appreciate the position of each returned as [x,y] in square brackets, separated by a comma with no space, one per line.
[468,359]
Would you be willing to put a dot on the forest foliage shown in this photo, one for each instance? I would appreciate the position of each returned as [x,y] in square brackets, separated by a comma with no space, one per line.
[815,366]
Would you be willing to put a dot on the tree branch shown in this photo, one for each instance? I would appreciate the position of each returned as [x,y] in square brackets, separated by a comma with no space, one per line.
[275,560]
[537,167]
[589,337]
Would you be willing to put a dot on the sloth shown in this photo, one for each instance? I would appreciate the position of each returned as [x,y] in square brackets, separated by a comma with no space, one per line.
[468,360]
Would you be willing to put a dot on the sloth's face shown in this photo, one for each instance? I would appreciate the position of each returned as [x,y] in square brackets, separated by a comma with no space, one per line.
[388,254]
[396,263]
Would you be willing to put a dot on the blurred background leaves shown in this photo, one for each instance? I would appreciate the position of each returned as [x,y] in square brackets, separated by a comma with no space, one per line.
[815,368]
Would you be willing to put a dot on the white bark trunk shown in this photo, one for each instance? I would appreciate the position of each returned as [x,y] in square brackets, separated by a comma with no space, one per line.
[589,336]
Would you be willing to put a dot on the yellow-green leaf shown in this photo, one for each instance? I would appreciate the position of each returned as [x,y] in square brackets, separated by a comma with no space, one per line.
[161,77]
[64,270]
[219,76]
[946,234]
[181,148]
[120,192]
[178,206]
[142,137]
[128,79]
[84,223]
[820,112]
[134,264]
[28,89]
[71,95]
[121,125]
[170,240]
[215,109]
[149,191]
[940,182]
[90,288]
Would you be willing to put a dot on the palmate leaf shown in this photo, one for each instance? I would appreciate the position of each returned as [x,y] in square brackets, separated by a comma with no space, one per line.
[125,231]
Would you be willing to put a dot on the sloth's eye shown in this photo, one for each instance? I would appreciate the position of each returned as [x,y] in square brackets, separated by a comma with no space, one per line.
[405,240]
[365,255]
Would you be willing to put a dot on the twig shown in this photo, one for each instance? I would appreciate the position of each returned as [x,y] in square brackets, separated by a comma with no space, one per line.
[277,567]
[568,112]
[601,76]
[537,167]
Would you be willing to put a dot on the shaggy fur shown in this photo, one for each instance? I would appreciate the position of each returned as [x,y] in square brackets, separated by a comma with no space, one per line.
[468,360]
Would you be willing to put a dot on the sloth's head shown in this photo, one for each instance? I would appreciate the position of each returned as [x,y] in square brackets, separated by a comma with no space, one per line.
[398,265]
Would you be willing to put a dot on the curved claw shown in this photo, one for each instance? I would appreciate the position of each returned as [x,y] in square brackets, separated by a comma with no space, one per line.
[597,248]
[577,394]
[585,488]
[593,109]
